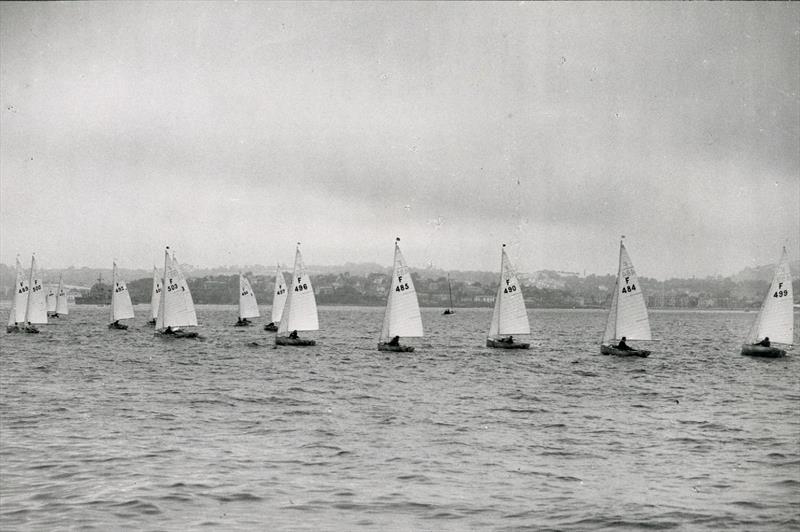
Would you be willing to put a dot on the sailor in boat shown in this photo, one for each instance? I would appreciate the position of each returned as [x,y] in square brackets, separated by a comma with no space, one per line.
[507,340]
[242,321]
[764,342]
[293,335]
[623,346]
[395,341]
[169,330]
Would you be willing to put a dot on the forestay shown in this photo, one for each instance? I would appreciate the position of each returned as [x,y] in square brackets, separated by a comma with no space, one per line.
[628,314]
[402,317]
[155,295]
[776,319]
[278,296]
[300,311]
[62,307]
[248,307]
[36,305]
[121,307]
[509,316]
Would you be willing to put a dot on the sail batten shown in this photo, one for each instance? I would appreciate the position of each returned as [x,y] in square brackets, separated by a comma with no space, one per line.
[509,315]
[402,316]
[300,310]
[628,313]
[248,307]
[775,319]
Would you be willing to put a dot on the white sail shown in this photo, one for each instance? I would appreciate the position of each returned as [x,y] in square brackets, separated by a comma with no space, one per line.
[402,317]
[176,308]
[17,314]
[628,315]
[509,316]
[62,307]
[155,296]
[121,307]
[300,311]
[775,319]
[36,306]
[248,308]
[278,296]
[52,302]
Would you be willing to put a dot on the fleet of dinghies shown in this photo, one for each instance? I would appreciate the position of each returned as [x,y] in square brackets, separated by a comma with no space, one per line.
[294,307]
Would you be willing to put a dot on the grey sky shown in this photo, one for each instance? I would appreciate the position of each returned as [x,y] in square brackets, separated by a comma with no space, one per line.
[232,130]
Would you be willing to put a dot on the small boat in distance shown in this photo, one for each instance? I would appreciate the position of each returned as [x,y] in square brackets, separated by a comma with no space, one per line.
[775,320]
[278,300]
[627,318]
[176,308]
[248,308]
[402,317]
[62,307]
[121,307]
[155,296]
[52,302]
[510,316]
[16,318]
[449,310]
[300,310]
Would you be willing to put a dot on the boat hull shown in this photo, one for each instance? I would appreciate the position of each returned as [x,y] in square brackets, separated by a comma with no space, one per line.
[610,350]
[385,346]
[118,326]
[497,344]
[270,327]
[243,324]
[447,312]
[178,334]
[297,342]
[761,351]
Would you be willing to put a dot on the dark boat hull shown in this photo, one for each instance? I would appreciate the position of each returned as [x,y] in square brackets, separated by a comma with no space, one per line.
[243,324]
[447,312]
[270,327]
[178,334]
[118,326]
[761,351]
[497,344]
[385,346]
[297,342]
[610,350]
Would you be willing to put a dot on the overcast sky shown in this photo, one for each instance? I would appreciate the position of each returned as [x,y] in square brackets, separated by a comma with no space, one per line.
[232,130]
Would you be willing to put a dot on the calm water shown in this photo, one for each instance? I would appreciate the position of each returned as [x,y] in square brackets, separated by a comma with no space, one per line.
[108,429]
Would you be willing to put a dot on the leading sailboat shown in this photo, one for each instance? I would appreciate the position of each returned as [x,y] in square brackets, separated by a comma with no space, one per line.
[627,318]
[278,301]
[248,307]
[402,317]
[510,316]
[300,311]
[775,320]
[176,308]
[121,307]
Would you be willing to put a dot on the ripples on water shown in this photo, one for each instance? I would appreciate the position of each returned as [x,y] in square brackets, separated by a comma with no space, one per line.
[108,429]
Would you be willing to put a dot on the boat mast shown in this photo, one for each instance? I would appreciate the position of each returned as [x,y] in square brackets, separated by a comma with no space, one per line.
[450,289]
[499,293]
[616,288]
[30,288]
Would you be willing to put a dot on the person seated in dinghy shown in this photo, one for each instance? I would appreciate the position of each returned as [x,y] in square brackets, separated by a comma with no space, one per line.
[764,342]
[169,330]
[395,341]
[293,334]
[242,321]
[508,339]
[623,346]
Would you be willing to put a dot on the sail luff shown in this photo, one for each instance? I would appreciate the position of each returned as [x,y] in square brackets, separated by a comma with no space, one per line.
[775,318]
[113,291]
[162,301]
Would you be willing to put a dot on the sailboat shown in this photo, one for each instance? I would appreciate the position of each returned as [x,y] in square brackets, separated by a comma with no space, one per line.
[52,301]
[16,318]
[775,320]
[248,308]
[121,307]
[449,310]
[402,317]
[510,316]
[62,307]
[35,302]
[627,318]
[176,308]
[300,310]
[155,296]
[278,300]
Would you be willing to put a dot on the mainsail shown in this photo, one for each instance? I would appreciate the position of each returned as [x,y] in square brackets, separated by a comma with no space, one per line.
[62,308]
[278,296]
[36,305]
[300,311]
[121,307]
[402,317]
[248,308]
[628,314]
[52,301]
[776,319]
[17,314]
[509,316]
[155,296]
[176,308]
